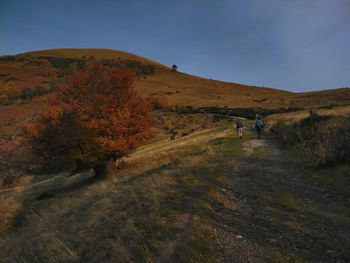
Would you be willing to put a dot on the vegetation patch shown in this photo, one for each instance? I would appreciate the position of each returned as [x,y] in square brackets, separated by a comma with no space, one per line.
[64,63]
[229,146]
[283,199]
[322,138]
[8,211]
[291,224]
[259,153]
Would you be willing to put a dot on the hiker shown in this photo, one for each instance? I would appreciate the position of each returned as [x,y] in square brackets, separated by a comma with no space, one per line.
[239,129]
[259,126]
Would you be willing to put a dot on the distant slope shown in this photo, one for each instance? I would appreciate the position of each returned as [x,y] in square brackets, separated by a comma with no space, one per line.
[98,53]
[47,67]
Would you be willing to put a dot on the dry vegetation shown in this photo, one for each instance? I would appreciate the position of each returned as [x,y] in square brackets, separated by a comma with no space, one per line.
[296,116]
[161,201]
[46,67]
[153,207]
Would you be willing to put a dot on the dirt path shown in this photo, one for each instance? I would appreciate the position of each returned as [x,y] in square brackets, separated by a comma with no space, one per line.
[281,217]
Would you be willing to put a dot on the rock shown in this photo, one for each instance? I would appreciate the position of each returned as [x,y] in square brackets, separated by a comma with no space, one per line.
[239,237]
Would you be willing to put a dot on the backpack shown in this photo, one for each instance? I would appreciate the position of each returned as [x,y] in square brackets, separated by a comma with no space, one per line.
[259,124]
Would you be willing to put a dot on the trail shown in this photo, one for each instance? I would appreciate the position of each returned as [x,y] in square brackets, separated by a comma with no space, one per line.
[282,217]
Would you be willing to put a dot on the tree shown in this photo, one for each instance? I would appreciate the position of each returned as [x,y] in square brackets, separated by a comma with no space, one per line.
[95,117]
[174,68]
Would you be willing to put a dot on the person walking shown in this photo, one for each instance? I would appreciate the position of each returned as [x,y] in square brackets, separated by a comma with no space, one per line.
[239,129]
[259,126]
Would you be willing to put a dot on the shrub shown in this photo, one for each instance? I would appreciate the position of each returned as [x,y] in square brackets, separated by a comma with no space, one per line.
[4,100]
[329,142]
[11,78]
[15,159]
[324,140]
[63,63]
[138,67]
[27,93]
[160,101]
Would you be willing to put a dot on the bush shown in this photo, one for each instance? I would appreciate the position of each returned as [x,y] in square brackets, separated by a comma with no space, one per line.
[15,159]
[4,100]
[64,63]
[324,140]
[160,101]
[11,78]
[140,69]
[28,93]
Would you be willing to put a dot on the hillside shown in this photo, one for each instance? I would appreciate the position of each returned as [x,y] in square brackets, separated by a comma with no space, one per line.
[193,192]
[32,74]
[199,196]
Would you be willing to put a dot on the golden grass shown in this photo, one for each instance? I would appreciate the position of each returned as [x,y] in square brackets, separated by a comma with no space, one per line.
[99,53]
[224,200]
[9,208]
[295,116]
[184,89]
[135,214]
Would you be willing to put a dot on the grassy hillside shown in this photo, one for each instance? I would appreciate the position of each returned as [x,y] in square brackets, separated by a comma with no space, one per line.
[42,70]
[149,209]
[194,193]
[98,53]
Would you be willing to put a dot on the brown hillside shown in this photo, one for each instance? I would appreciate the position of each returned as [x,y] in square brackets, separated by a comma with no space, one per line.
[98,53]
[46,68]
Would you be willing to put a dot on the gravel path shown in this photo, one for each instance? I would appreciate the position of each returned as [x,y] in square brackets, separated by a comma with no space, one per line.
[281,216]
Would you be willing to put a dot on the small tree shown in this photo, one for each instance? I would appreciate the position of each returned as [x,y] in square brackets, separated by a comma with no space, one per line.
[95,117]
[174,68]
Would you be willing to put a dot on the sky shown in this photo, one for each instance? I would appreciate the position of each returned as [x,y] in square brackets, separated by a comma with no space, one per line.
[295,45]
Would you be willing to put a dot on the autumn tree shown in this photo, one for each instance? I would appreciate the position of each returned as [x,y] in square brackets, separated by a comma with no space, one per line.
[95,117]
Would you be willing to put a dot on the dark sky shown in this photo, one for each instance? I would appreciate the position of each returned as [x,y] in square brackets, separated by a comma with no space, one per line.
[297,45]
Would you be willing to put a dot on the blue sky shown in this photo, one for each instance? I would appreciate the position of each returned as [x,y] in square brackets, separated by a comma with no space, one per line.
[297,45]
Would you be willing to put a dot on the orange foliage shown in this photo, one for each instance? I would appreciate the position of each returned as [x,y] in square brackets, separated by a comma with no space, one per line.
[160,101]
[94,117]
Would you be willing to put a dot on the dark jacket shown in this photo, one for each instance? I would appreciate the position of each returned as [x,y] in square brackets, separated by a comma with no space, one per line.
[239,124]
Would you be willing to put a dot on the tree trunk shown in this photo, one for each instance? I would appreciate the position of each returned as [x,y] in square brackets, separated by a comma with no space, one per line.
[100,170]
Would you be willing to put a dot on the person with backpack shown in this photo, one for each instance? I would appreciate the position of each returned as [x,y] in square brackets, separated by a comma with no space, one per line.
[239,129]
[259,126]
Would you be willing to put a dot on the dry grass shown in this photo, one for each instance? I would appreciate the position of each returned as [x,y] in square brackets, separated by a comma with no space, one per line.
[87,52]
[9,208]
[296,116]
[282,200]
[20,111]
[224,200]
[184,89]
[152,208]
